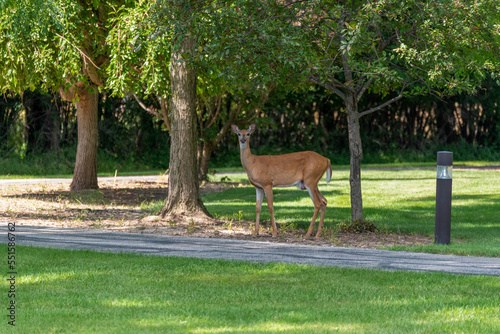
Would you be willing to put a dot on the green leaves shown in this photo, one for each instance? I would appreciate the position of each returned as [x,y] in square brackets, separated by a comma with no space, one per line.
[55,41]
[381,45]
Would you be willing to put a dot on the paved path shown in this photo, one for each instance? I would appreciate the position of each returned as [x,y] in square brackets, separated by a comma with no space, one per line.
[68,180]
[250,250]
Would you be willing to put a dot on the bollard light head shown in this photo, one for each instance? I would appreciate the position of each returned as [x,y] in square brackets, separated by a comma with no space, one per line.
[444,165]
[444,172]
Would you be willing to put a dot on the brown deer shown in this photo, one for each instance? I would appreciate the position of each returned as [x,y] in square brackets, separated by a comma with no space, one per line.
[301,169]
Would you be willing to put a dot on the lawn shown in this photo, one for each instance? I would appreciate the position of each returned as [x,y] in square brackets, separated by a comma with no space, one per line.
[401,201]
[61,291]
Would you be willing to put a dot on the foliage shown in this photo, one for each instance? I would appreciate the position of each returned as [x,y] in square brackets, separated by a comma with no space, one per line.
[140,53]
[412,130]
[130,140]
[244,49]
[144,37]
[60,45]
[128,135]
[358,226]
[56,43]
[412,46]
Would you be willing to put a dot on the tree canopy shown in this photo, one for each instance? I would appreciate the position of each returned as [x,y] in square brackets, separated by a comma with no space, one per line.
[356,50]
[391,48]
[60,45]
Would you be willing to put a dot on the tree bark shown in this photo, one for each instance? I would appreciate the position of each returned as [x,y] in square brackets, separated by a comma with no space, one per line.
[85,173]
[356,150]
[183,187]
[204,161]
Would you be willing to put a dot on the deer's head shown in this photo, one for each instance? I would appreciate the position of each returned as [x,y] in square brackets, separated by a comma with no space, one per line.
[243,135]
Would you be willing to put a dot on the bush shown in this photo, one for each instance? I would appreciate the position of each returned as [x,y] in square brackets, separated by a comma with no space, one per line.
[358,226]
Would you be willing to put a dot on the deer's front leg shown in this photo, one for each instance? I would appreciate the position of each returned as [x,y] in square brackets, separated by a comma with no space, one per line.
[269,197]
[258,205]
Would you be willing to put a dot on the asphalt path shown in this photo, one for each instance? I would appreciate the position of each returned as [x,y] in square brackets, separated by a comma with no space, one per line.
[68,180]
[163,245]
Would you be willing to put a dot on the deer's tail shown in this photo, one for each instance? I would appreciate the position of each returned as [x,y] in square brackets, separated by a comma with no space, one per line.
[329,172]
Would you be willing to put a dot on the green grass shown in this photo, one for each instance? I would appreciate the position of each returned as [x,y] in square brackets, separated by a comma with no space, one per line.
[401,201]
[61,291]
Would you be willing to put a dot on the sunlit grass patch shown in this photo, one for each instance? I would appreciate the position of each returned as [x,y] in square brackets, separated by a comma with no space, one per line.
[85,291]
[402,201]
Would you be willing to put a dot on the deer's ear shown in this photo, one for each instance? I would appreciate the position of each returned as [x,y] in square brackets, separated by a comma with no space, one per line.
[235,128]
[251,128]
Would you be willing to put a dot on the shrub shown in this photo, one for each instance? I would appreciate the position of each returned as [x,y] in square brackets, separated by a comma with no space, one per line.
[358,226]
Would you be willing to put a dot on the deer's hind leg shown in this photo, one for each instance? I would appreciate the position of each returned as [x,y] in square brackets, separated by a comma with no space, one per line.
[319,202]
[323,211]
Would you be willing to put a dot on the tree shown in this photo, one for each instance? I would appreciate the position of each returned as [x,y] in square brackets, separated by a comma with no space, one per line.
[158,52]
[152,58]
[183,188]
[411,47]
[392,48]
[61,44]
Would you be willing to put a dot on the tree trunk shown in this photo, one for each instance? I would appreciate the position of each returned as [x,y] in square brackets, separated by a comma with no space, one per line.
[183,187]
[85,174]
[205,155]
[356,151]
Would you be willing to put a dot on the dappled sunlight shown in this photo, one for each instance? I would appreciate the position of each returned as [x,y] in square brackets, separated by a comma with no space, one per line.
[284,327]
[45,277]
[134,302]
[466,319]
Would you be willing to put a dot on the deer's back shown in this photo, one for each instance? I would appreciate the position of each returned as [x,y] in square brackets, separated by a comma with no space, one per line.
[286,169]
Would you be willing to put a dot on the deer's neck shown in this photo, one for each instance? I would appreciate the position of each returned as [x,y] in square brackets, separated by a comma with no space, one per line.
[247,158]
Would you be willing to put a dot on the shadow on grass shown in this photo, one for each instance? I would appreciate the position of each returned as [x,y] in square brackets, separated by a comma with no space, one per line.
[95,207]
[128,196]
[290,205]
[474,217]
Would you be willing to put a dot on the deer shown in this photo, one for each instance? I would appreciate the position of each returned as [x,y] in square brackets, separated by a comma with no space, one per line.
[301,169]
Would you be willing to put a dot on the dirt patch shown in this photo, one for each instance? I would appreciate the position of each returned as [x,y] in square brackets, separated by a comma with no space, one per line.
[123,206]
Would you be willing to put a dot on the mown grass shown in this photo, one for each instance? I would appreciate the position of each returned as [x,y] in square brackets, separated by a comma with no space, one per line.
[401,201]
[61,291]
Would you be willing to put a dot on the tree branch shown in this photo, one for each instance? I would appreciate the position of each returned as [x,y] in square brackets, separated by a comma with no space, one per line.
[147,109]
[385,104]
[331,88]
[164,111]
[79,50]
[67,95]
[362,90]
[213,116]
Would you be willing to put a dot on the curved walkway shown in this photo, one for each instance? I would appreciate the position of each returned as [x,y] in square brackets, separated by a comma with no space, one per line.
[250,250]
[68,180]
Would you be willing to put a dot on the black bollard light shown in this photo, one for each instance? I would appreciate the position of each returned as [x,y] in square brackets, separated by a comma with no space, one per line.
[443,197]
